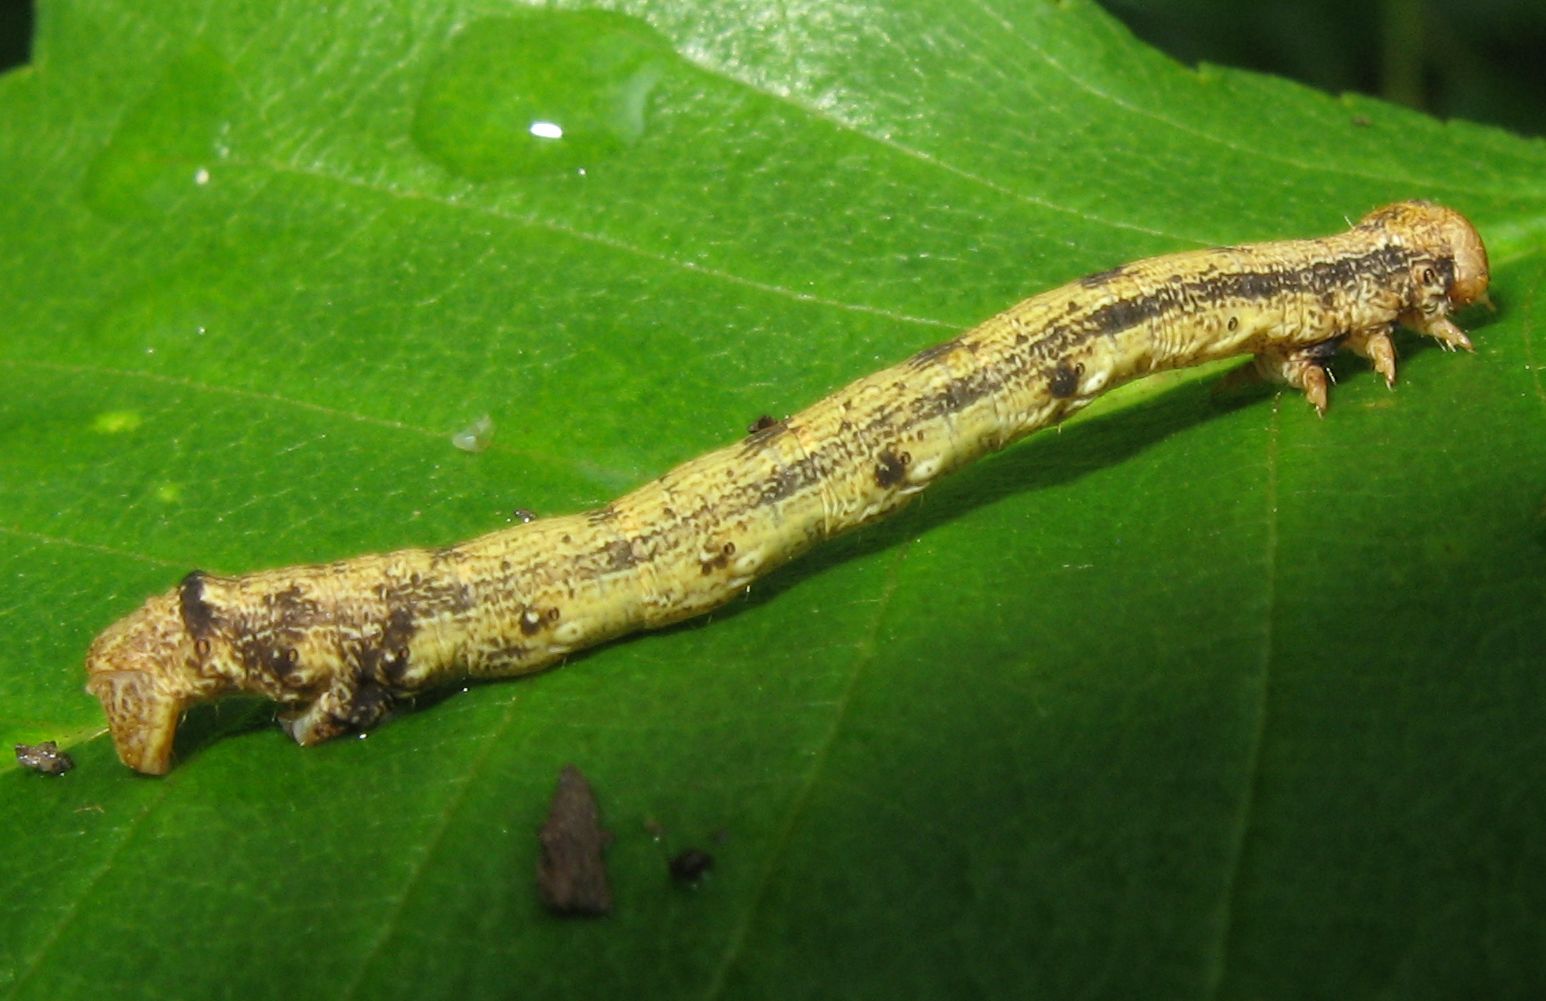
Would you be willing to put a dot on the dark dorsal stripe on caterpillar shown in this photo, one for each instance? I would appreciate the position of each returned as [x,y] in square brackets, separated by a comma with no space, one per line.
[334,644]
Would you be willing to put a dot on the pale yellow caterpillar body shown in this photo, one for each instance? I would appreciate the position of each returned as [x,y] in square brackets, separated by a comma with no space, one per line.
[334,644]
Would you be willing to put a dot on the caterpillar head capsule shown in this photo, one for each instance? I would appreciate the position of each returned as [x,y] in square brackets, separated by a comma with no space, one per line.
[142,668]
[1449,235]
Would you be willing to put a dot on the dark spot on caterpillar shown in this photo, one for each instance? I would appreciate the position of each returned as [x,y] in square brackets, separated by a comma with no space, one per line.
[1065,379]
[1256,286]
[890,467]
[1102,277]
[44,758]
[571,869]
[422,594]
[1124,313]
[1429,278]
[719,560]
[197,615]
[293,609]
[689,866]
[962,393]
[399,631]
[1234,323]
[366,705]
[785,482]
[620,556]
[523,516]
[762,431]
[531,621]
[509,651]
[601,515]
[933,352]
[956,396]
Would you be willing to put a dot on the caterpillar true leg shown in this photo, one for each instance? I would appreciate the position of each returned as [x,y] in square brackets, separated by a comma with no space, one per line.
[1376,345]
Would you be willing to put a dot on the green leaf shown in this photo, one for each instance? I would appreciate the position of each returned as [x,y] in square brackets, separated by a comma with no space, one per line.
[1198,697]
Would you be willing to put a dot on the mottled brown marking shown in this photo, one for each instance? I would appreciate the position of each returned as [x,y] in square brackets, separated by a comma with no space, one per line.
[620,556]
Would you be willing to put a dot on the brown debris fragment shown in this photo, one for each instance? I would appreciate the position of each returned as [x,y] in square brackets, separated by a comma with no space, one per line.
[571,871]
[44,758]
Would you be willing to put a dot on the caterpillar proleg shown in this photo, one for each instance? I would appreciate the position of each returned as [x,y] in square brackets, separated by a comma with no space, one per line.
[335,644]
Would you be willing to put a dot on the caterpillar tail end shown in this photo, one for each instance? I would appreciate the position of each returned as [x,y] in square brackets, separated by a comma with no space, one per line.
[142,670]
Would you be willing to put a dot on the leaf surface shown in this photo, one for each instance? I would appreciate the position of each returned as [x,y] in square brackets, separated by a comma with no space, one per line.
[1196,697]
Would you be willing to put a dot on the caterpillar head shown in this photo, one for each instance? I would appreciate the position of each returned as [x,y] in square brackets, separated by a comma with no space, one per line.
[1445,233]
[143,669]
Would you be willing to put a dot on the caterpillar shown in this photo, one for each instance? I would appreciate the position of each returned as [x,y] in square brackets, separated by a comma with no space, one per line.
[335,644]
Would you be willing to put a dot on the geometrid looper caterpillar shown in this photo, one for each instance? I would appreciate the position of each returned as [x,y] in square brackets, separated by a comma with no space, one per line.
[334,644]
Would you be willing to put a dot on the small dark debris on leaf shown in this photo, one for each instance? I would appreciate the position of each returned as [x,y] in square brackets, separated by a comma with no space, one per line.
[689,866]
[571,872]
[45,758]
[523,515]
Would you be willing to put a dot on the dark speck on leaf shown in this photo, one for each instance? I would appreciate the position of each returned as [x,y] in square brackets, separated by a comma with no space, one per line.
[689,866]
[571,870]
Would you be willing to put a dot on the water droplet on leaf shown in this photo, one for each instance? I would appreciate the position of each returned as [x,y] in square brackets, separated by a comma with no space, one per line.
[476,436]
[545,92]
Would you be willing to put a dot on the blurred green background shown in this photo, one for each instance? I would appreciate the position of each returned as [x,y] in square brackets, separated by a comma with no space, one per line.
[1476,59]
